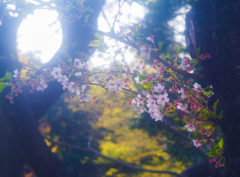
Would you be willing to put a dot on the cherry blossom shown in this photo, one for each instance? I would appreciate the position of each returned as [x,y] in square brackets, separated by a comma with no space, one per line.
[197,143]
[151,38]
[197,87]
[137,101]
[190,127]
[184,63]
[163,99]
[16,74]
[95,78]
[151,103]
[42,85]
[182,93]
[139,66]
[80,90]
[72,87]
[56,72]
[78,74]
[79,63]
[182,107]
[119,85]
[62,79]
[84,97]
[145,52]
[158,88]
[110,85]
[115,86]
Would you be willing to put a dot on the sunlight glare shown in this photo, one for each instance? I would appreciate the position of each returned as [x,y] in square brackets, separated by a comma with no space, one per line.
[178,24]
[130,15]
[41,34]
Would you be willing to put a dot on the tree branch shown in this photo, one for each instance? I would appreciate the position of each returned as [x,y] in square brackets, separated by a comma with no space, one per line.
[125,164]
[120,39]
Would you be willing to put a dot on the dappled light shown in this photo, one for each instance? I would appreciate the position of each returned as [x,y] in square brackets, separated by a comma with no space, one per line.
[40,35]
[100,88]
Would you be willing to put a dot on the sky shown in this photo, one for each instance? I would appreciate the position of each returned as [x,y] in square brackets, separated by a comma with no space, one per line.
[41,32]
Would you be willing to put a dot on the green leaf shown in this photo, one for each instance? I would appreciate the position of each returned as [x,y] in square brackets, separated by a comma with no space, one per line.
[95,43]
[215,105]
[3,79]
[214,151]
[146,87]
[142,77]
[99,36]
[69,7]
[119,66]
[86,18]
[132,96]
[136,29]
[3,85]
[160,45]
[220,143]
[198,52]
[209,115]
[169,56]
[8,75]
[208,92]
[221,114]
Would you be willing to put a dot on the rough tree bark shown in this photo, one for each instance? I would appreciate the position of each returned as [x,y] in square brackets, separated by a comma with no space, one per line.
[215,28]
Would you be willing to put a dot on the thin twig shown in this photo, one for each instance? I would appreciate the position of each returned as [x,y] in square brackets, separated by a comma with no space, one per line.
[120,39]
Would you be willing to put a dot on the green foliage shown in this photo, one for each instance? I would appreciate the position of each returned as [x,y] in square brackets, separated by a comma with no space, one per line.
[99,36]
[198,52]
[3,85]
[215,105]
[95,43]
[216,150]
[8,75]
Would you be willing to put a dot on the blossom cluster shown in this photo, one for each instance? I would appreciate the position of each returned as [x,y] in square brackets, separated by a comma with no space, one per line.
[158,93]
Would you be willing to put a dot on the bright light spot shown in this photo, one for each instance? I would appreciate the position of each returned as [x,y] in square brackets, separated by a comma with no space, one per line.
[178,24]
[130,15]
[41,34]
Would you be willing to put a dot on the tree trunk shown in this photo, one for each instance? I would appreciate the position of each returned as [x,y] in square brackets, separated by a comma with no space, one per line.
[215,28]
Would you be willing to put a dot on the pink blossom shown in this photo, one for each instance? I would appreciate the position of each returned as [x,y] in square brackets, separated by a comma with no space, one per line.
[111,85]
[137,101]
[197,87]
[115,86]
[80,90]
[66,85]
[158,88]
[151,38]
[139,66]
[163,99]
[62,79]
[16,74]
[79,63]
[145,52]
[183,93]
[151,103]
[95,78]
[197,143]
[56,72]
[182,107]
[42,85]
[119,85]
[72,87]
[140,110]
[184,63]
[158,116]
[78,74]
[190,127]
[84,97]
